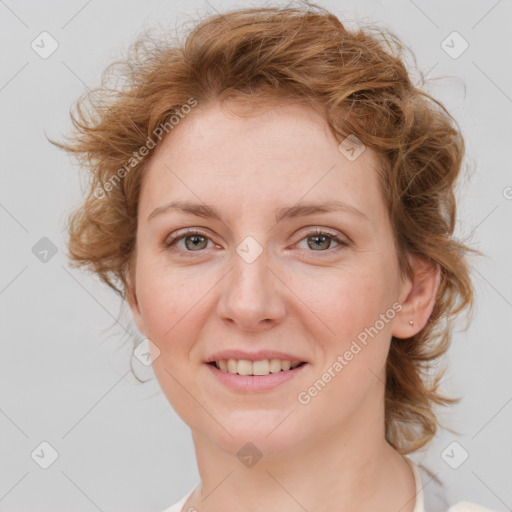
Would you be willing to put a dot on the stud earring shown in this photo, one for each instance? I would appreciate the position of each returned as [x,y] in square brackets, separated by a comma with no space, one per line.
[411,322]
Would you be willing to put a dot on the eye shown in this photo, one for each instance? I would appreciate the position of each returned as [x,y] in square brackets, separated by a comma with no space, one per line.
[193,241]
[320,240]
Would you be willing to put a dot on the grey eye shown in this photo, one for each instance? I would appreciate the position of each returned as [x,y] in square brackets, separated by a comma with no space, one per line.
[193,242]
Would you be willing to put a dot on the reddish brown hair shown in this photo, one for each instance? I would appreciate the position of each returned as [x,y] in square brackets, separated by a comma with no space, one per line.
[358,81]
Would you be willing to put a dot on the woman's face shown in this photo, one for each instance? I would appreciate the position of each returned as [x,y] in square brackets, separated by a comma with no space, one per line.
[257,280]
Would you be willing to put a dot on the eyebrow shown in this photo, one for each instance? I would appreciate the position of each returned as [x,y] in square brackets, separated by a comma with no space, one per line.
[290,212]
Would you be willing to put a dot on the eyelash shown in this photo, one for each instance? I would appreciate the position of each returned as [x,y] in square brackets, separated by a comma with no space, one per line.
[316,232]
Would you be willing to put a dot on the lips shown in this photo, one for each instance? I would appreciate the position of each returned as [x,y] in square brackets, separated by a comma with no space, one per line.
[255,382]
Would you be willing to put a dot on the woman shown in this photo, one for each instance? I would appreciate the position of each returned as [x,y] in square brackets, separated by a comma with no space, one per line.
[274,200]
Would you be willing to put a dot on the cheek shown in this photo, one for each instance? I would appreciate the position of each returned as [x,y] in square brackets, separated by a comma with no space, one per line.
[169,299]
[170,303]
[346,302]
[353,356]
[356,310]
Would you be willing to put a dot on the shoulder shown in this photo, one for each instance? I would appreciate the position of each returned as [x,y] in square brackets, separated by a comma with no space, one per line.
[174,508]
[466,506]
[431,496]
[179,505]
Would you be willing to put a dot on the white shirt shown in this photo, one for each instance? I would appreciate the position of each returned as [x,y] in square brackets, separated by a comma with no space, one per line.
[429,495]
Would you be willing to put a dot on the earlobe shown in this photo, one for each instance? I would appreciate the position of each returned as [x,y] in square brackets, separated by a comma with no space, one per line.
[421,292]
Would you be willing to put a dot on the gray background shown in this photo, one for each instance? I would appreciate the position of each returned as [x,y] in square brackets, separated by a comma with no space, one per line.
[64,372]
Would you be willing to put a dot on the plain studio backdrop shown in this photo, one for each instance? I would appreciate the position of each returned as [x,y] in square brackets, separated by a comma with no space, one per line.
[67,398]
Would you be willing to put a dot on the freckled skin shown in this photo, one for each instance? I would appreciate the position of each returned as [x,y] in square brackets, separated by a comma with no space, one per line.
[292,298]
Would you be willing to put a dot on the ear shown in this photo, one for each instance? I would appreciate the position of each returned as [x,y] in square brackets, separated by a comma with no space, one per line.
[131,298]
[418,296]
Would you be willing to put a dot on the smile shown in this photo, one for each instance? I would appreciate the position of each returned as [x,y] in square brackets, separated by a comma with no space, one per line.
[262,367]
[244,376]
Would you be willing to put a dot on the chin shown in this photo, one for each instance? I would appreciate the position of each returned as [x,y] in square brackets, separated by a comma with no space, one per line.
[269,432]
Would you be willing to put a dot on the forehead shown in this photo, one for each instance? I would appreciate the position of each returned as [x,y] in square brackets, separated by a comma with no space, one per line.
[231,126]
[279,155]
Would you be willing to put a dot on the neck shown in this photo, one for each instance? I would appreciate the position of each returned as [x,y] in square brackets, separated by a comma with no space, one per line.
[356,471]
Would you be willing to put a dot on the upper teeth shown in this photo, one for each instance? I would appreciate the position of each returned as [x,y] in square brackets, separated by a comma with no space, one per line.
[263,367]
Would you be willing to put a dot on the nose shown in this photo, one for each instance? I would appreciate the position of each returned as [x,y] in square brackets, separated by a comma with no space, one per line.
[252,295]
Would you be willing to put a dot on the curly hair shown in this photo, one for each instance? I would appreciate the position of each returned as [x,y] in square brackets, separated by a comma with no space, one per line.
[358,81]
